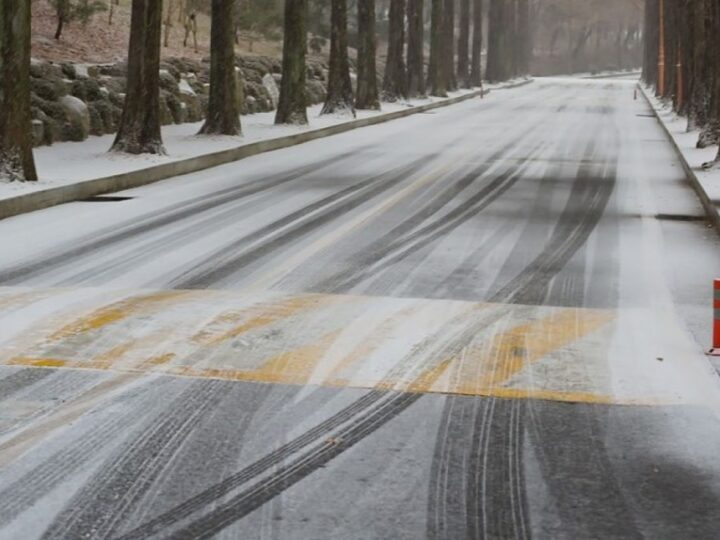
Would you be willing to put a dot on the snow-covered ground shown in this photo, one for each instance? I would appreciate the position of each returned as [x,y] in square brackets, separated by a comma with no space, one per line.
[686,141]
[72,162]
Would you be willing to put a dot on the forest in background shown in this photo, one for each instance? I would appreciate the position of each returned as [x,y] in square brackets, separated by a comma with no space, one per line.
[428,47]
[569,36]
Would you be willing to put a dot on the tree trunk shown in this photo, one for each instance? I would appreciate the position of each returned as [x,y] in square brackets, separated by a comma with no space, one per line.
[511,38]
[223,114]
[61,9]
[16,157]
[339,92]
[395,79]
[650,35]
[415,68]
[495,71]
[139,131]
[463,66]
[711,133]
[436,80]
[477,37]
[448,47]
[367,89]
[168,23]
[292,106]
[524,43]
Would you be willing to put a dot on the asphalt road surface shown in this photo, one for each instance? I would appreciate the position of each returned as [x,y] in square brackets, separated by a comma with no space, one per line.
[487,321]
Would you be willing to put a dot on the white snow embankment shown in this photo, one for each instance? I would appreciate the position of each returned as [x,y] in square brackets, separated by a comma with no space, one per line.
[705,182]
[76,164]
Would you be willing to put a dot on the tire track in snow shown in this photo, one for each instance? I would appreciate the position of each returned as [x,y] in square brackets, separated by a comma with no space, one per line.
[352,424]
[494,501]
[96,509]
[23,493]
[291,228]
[106,239]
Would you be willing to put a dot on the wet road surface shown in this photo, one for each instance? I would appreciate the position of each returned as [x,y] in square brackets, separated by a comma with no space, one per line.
[484,322]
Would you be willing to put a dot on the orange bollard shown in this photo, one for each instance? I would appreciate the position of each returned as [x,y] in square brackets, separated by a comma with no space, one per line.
[715,351]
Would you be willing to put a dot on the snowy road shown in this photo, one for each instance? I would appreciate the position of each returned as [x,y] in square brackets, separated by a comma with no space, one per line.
[484,322]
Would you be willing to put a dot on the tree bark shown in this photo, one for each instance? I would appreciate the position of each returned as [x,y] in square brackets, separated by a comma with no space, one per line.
[339,92]
[395,79]
[436,79]
[495,70]
[477,37]
[463,66]
[61,8]
[415,67]
[168,23]
[524,42]
[16,157]
[139,131]
[448,47]
[223,113]
[292,105]
[367,88]
[651,37]
[710,135]
[511,38]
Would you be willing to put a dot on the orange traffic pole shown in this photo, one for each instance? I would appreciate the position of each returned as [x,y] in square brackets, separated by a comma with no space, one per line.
[715,351]
[661,51]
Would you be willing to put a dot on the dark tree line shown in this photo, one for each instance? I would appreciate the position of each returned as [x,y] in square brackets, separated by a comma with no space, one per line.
[682,61]
[509,43]
[16,159]
[455,60]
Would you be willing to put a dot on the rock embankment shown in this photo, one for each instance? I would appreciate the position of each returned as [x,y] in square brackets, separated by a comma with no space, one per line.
[70,102]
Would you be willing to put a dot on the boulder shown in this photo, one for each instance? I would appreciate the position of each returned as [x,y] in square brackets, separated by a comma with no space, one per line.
[166,116]
[51,71]
[239,89]
[168,82]
[69,71]
[114,84]
[38,132]
[250,105]
[77,118]
[106,113]
[96,122]
[315,91]
[192,109]
[273,91]
[48,89]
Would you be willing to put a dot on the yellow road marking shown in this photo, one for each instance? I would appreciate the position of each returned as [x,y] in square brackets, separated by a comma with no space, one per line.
[427,379]
[114,312]
[258,316]
[155,361]
[425,384]
[509,352]
[38,362]
[290,367]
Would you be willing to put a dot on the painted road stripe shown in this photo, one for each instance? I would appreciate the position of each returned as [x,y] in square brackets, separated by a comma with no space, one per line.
[352,341]
[116,312]
[511,351]
[425,384]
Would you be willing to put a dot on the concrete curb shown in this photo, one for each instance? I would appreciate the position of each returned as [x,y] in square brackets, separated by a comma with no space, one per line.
[38,200]
[614,75]
[710,208]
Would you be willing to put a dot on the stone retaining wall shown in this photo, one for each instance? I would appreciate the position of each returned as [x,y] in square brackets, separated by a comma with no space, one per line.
[73,101]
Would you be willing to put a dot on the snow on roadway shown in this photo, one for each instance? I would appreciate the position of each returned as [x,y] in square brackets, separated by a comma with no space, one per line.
[453,255]
[69,162]
[687,142]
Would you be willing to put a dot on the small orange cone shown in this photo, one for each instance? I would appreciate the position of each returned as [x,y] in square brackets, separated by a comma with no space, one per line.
[715,351]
